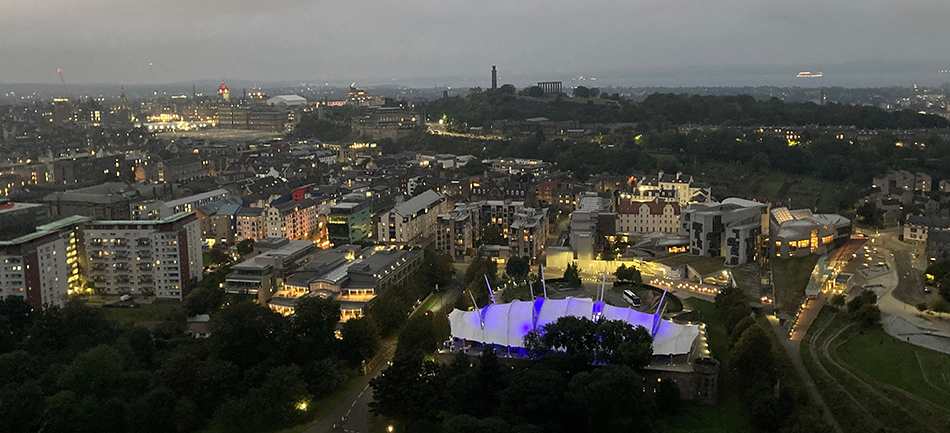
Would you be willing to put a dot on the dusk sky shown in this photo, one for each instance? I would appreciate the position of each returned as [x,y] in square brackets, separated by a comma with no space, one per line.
[112,41]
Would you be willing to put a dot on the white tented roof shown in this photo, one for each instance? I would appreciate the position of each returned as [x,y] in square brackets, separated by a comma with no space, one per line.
[507,324]
[289,100]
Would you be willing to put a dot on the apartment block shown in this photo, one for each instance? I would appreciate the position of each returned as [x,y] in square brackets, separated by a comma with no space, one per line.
[151,257]
[455,234]
[412,222]
[42,267]
[528,234]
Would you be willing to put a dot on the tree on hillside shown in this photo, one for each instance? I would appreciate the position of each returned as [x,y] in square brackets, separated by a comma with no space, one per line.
[313,325]
[572,276]
[609,341]
[628,274]
[408,391]
[518,267]
[245,247]
[609,399]
[581,92]
[534,92]
[760,162]
[360,340]
[732,306]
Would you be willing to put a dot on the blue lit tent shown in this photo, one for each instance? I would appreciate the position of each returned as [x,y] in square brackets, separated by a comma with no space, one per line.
[507,324]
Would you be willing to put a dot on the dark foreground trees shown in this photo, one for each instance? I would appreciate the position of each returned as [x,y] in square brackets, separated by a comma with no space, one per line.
[557,392]
[70,369]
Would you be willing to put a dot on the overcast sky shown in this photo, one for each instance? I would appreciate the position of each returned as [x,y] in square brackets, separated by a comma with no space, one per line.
[113,41]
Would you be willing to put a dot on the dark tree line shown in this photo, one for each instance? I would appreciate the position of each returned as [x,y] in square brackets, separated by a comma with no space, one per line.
[753,366]
[481,109]
[71,369]
[559,392]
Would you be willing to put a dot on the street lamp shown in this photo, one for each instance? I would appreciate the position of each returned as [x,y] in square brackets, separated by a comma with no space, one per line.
[389,429]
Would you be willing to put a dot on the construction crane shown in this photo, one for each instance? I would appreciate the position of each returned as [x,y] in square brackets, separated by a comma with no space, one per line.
[60,72]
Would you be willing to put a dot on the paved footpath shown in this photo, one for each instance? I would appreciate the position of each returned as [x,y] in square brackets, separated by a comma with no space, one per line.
[793,348]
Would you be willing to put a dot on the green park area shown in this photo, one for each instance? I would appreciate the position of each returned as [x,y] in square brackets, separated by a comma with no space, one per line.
[730,180]
[156,311]
[872,381]
[790,278]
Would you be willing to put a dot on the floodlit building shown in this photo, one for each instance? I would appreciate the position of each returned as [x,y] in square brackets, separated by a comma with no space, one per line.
[293,220]
[800,232]
[251,224]
[42,267]
[680,185]
[152,257]
[656,216]
[731,229]
[350,275]
[412,222]
[264,273]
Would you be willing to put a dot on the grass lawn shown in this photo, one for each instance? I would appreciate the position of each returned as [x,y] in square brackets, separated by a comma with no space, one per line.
[703,265]
[727,415]
[790,277]
[772,186]
[155,311]
[894,362]
[886,387]
[206,260]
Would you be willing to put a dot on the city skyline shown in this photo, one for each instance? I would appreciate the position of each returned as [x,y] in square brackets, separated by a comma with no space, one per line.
[102,41]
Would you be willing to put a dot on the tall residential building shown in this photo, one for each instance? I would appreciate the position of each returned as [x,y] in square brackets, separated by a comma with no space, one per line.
[293,220]
[455,234]
[42,267]
[657,216]
[528,234]
[153,257]
[251,224]
[412,222]
[731,229]
[350,220]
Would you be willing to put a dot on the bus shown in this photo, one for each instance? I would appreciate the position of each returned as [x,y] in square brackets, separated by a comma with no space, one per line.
[631,298]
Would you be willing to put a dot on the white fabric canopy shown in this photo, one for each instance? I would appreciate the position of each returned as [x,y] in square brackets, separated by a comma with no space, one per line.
[507,324]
